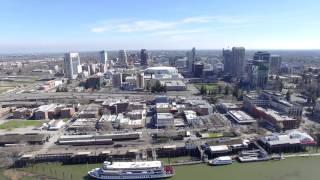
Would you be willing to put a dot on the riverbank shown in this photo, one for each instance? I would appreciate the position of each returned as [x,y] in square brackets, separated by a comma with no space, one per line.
[295,168]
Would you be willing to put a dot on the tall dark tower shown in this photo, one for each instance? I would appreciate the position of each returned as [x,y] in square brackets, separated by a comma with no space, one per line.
[144,57]
[239,61]
[227,61]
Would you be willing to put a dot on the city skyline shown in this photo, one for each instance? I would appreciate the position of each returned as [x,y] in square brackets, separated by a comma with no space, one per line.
[35,26]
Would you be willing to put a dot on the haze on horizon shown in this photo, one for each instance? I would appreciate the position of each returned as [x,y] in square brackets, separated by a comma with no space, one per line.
[60,26]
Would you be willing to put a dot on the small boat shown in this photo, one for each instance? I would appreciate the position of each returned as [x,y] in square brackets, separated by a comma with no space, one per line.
[278,157]
[223,160]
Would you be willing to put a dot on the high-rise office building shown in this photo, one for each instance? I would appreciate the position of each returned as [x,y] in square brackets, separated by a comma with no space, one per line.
[191,57]
[262,55]
[117,80]
[123,58]
[103,57]
[238,58]
[258,74]
[275,64]
[144,57]
[93,69]
[198,69]
[227,61]
[140,80]
[72,65]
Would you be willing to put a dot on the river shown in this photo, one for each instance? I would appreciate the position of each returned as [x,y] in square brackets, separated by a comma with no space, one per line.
[298,168]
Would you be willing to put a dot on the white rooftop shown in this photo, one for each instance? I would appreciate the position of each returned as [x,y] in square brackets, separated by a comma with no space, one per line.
[224,158]
[291,137]
[164,116]
[162,105]
[161,69]
[219,148]
[241,117]
[46,107]
[137,122]
[133,165]
[229,105]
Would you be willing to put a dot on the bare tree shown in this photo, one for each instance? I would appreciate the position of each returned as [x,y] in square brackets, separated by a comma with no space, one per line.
[105,126]
[8,156]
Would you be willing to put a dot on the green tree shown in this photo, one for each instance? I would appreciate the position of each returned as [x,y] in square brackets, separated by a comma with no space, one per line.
[226,90]
[240,96]
[164,88]
[288,96]
[219,89]
[213,100]
[235,92]
[158,87]
[271,77]
[148,86]
[203,90]
[214,92]
[281,85]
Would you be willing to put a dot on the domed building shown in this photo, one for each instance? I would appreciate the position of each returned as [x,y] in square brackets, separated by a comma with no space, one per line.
[167,76]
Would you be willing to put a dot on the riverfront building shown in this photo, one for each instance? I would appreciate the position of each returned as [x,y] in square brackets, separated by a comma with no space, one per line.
[291,141]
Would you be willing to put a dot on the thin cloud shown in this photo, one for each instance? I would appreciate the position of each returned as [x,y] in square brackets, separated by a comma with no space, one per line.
[199,19]
[145,26]
[156,25]
[98,29]
[177,32]
[216,19]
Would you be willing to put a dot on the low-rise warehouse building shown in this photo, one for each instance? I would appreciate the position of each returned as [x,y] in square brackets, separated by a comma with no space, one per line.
[219,149]
[202,107]
[174,85]
[97,139]
[279,121]
[91,111]
[67,112]
[116,106]
[84,140]
[274,100]
[22,113]
[164,120]
[83,124]
[241,117]
[29,138]
[137,114]
[45,112]
[163,107]
[227,146]
[190,116]
[292,141]
[226,107]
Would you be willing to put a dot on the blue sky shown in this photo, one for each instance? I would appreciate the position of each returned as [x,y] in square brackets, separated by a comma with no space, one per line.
[79,25]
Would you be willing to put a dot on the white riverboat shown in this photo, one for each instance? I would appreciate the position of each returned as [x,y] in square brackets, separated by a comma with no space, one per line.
[223,160]
[132,170]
